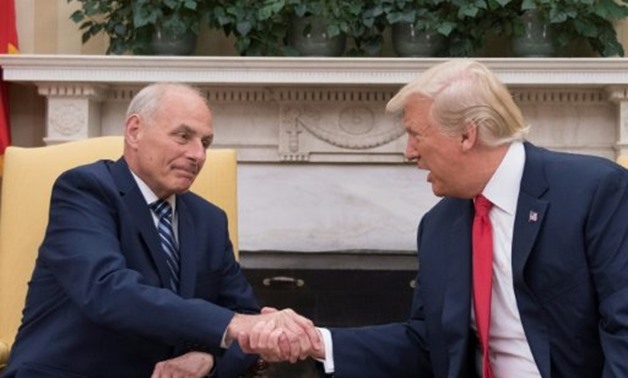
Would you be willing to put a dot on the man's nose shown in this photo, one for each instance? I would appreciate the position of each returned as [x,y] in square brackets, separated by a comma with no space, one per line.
[197,151]
[411,152]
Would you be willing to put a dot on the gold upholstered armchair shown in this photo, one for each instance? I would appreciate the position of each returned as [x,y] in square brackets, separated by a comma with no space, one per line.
[623,160]
[26,186]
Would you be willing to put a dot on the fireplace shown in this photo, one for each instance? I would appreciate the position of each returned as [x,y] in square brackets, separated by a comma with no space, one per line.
[321,165]
[333,289]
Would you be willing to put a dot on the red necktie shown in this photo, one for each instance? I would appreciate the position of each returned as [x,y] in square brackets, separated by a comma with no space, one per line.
[483,276]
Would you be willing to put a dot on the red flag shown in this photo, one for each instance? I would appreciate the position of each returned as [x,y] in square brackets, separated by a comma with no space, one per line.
[8,45]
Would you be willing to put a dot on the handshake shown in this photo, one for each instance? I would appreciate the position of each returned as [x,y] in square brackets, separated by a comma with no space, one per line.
[276,335]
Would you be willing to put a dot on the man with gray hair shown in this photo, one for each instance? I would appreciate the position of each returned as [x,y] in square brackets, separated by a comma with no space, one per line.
[136,276]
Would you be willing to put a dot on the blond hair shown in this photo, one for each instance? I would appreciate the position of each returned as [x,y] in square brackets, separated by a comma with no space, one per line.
[465,92]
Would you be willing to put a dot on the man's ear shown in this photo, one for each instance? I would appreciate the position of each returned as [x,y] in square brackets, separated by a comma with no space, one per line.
[133,130]
[469,136]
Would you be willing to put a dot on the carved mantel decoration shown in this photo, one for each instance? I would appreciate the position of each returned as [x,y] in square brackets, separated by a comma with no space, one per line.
[338,126]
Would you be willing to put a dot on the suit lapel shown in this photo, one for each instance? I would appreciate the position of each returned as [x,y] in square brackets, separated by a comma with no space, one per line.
[457,301]
[528,220]
[531,213]
[140,212]
[531,210]
[187,249]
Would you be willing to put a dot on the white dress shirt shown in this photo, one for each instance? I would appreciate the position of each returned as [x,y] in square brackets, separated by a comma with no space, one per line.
[510,352]
[151,197]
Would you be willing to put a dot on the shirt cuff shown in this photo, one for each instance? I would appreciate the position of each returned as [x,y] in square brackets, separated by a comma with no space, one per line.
[328,362]
[223,341]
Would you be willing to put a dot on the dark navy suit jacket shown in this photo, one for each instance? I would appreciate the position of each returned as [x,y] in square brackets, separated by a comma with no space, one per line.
[570,272]
[98,303]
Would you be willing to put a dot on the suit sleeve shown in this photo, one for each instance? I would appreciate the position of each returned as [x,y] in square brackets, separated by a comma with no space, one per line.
[606,237]
[83,252]
[237,295]
[391,350]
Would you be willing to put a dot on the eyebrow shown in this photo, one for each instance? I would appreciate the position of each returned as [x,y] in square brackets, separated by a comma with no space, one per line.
[184,127]
[188,129]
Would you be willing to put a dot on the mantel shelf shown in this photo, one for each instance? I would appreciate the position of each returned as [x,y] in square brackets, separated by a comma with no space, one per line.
[589,72]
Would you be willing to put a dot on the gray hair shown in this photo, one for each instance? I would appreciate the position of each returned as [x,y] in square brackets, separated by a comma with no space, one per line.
[149,99]
[466,92]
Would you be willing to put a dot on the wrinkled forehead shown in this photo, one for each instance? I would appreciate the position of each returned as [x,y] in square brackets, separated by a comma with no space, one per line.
[417,107]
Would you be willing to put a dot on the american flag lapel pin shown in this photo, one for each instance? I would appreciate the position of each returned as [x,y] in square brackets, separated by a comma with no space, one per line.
[533,217]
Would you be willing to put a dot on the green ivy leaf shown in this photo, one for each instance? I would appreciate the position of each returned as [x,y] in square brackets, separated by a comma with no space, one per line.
[190,4]
[77,16]
[244,27]
[557,16]
[171,4]
[446,28]
[528,5]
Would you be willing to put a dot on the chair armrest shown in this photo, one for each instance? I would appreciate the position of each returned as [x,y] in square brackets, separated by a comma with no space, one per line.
[4,354]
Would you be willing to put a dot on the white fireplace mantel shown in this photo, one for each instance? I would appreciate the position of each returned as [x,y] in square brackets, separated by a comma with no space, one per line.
[319,158]
[325,109]
[564,72]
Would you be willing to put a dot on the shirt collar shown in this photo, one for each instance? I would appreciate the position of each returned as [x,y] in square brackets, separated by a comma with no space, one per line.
[150,196]
[503,187]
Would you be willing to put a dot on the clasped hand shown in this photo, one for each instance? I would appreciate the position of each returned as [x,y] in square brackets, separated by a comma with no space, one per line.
[281,336]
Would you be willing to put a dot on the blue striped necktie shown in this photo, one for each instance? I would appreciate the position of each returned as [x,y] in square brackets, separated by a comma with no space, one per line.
[163,210]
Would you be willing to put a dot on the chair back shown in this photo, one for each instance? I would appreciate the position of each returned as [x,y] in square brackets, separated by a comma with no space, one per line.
[623,160]
[28,176]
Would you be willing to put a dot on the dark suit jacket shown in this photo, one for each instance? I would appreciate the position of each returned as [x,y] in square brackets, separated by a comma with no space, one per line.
[98,303]
[570,272]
